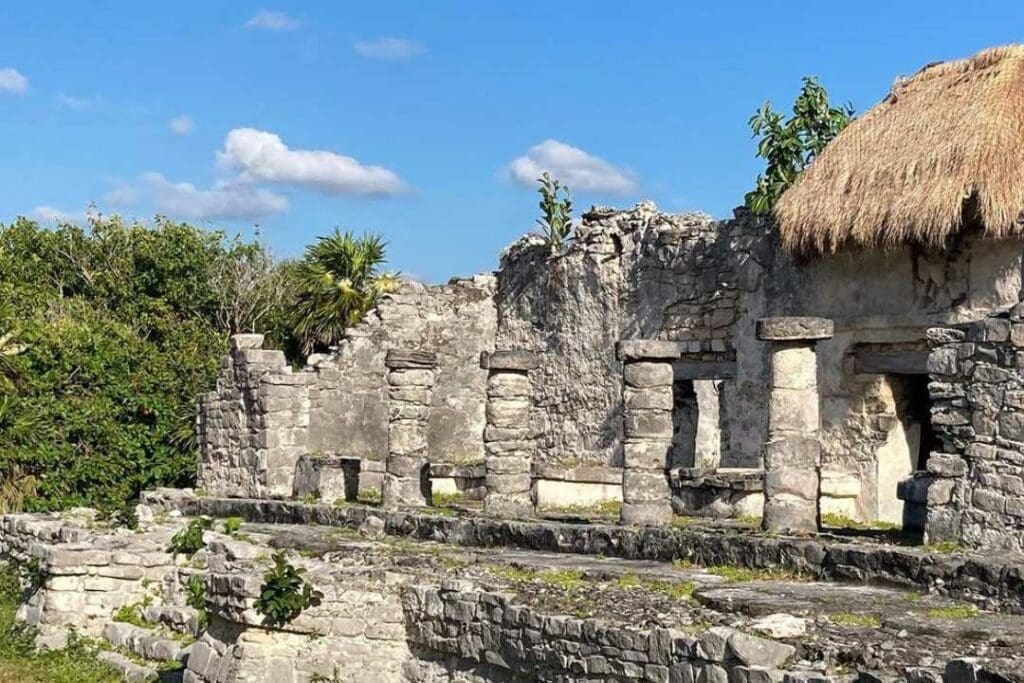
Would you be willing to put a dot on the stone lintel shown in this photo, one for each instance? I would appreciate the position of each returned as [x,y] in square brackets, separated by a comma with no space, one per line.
[649,349]
[513,359]
[402,359]
[699,369]
[246,341]
[890,362]
[794,328]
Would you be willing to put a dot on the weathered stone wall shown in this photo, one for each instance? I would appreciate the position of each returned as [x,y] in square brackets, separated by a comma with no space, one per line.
[636,274]
[975,490]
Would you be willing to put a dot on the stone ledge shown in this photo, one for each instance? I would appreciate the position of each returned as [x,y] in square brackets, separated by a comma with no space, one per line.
[653,349]
[794,328]
[513,359]
[402,359]
[734,479]
[581,475]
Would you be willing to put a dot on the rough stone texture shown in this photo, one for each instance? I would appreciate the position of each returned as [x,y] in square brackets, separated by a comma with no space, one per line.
[794,328]
[254,427]
[973,494]
[509,439]
[407,477]
[648,432]
[792,456]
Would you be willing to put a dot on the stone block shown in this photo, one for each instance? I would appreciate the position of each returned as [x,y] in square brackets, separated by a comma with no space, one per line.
[240,342]
[792,451]
[642,375]
[943,361]
[1011,426]
[515,359]
[508,464]
[648,424]
[408,359]
[656,398]
[795,368]
[410,394]
[646,514]
[790,514]
[645,486]
[946,465]
[793,410]
[647,455]
[802,483]
[508,483]
[754,651]
[508,385]
[641,349]
[406,437]
[794,329]
[508,413]
[407,466]
[414,378]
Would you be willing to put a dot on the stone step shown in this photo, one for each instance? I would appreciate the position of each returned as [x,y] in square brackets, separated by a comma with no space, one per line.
[181,619]
[146,643]
[130,671]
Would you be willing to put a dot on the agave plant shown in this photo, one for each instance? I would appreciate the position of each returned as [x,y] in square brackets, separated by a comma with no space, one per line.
[556,210]
[339,279]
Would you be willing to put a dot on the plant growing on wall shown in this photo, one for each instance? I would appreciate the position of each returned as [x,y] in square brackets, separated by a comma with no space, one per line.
[189,541]
[556,210]
[338,280]
[790,145]
[285,593]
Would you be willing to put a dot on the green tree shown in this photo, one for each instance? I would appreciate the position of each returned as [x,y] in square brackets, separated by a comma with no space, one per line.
[338,280]
[556,210]
[790,145]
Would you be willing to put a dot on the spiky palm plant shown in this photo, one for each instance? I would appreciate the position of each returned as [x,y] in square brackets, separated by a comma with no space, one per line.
[339,279]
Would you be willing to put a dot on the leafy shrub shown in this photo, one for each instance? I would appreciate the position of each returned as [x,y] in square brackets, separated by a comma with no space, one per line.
[285,593]
[790,145]
[556,210]
[232,525]
[189,540]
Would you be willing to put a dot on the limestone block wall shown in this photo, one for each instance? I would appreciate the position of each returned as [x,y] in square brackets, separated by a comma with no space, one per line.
[635,274]
[974,492]
[253,428]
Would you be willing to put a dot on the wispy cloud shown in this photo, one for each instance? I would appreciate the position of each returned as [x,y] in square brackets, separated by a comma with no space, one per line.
[225,200]
[51,214]
[259,156]
[268,20]
[578,169]
[78,103]
[12,82]
[181,125]
[388,49]
[121,194]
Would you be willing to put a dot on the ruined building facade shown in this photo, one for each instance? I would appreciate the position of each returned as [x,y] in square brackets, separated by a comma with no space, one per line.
[698,287]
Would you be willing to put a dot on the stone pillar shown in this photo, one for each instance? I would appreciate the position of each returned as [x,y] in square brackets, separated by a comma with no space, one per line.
[509,434]
[410,386]
[647,425]
[792,450]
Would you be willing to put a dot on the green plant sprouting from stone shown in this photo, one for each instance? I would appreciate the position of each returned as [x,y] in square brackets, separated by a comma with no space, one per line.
[189,541]
[285,592]
[232,525]
[556,210]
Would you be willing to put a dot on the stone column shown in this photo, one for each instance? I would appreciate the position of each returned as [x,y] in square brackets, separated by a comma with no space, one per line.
[410,386]
[792,450]
[508,435]
[647,425]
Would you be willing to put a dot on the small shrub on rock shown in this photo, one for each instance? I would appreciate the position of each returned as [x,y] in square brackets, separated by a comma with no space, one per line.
[285,593]
[189,540]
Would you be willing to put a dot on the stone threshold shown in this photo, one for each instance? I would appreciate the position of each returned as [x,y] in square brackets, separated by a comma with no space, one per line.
[994,583]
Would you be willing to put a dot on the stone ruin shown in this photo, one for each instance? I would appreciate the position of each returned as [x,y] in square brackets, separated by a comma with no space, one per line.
[667,452]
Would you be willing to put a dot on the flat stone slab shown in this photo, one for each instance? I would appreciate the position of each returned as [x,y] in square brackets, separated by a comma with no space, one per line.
[794,329]
[402,359]
[653,349]
[514,359]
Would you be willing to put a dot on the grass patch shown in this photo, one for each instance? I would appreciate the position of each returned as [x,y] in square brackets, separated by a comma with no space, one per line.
[369,497]
[751,520]
[684,522]
[604,508]
[132,613]
[944,547]
[447,500]
[834,519]
[855,620]
[565,579]
[734,574]
[953,612]
[20,662]
[680,590]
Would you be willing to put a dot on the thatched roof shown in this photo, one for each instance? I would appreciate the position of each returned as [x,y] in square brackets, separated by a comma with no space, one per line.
[944,149]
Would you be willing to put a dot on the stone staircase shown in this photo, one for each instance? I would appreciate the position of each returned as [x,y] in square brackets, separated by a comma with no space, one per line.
[144,653]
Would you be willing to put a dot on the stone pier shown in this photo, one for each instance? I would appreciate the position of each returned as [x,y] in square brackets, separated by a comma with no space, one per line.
[411,377]
[509,434]
[647,426]
[792,450]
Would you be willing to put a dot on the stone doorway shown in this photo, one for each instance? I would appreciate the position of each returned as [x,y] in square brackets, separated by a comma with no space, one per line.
[696,424]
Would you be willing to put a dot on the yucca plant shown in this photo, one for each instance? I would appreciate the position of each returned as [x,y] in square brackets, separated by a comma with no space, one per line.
[556,210]
[339,279]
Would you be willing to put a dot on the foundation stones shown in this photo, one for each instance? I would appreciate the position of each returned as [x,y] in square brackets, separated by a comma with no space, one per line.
[509,443]
[792,452]
[410,381]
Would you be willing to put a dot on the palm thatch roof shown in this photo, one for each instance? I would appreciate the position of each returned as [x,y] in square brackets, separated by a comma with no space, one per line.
[943,150]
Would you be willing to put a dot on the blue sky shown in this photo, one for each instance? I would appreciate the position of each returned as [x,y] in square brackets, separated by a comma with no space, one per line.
[425,120]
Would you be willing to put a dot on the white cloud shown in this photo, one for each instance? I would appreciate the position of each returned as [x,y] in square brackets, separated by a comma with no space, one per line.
[121,194]
[224,200]
[50,214]
[574,167]
[388,49]
[273,21]
[260,156]
[182,125]
[12,82]
[78,103]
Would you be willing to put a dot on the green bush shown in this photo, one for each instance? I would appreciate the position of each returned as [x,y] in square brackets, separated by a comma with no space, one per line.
[285,593]
[232,525]
[189,541]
